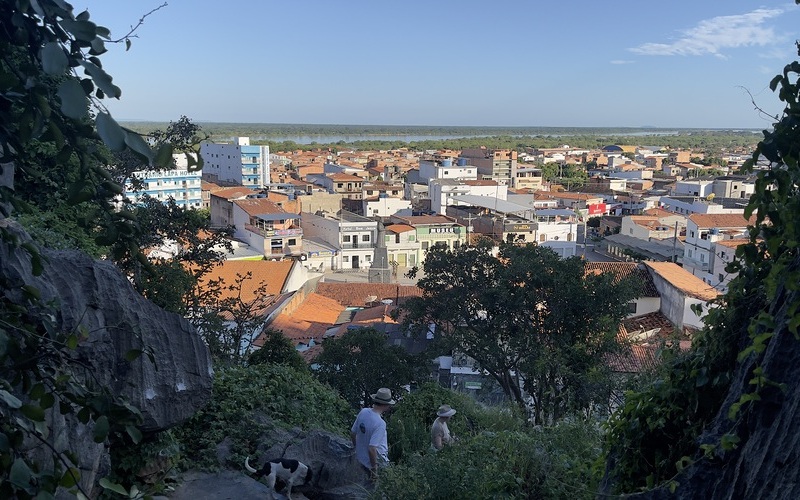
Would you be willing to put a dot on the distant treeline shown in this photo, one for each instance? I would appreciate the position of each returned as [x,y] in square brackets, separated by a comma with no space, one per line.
[518,138]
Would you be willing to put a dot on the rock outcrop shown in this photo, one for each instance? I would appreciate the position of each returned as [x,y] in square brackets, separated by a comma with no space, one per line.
[764,464]
[94,295]
[337,475]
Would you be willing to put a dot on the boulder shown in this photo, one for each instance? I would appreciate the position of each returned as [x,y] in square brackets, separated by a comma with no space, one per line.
[95,296]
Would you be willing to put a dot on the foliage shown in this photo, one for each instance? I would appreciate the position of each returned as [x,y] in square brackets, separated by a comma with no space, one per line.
[51,141]
[526,315]
[228,320]
[359,362]
[149,466]
[169,282]
[656,432]
[277,349]
[409,424]
[554,462]
[247,402]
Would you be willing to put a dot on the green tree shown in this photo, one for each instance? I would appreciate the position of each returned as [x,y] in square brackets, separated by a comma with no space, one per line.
[529,316]
[277,349]
[360,361]
[656,432]
[49,137]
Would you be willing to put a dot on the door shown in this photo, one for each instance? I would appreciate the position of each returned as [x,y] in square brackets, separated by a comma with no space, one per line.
[354,259]
[401,260]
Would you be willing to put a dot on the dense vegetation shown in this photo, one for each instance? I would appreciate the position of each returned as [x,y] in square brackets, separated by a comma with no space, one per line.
[707,141]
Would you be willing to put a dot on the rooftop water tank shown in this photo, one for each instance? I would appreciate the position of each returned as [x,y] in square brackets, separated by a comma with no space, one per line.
[462,162]
[447,163]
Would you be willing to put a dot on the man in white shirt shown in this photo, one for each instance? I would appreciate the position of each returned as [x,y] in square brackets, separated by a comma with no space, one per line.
[368,433]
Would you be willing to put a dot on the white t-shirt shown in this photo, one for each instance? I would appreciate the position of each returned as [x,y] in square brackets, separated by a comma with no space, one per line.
[370,430]
[440,428]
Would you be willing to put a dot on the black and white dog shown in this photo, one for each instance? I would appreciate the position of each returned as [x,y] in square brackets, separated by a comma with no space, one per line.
[292,472]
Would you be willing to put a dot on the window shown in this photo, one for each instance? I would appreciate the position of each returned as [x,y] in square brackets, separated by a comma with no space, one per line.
[346,258]
[424,245]
[292,242]
[721,277]
[368,258]
[691,234]
[702,257]
[369,192]
[630,230]
[631,307]
[346,238]
[397,238]
[364,237]
[690,254]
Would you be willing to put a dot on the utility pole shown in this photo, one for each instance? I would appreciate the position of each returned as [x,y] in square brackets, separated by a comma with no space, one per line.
[675,245]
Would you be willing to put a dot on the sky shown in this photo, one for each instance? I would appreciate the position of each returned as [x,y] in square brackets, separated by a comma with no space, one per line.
[565,63]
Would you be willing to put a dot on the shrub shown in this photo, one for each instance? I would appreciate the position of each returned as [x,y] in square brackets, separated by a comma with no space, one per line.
[554,462]
[248,402]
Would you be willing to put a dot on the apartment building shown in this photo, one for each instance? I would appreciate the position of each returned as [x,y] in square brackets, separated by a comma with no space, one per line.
[702,232]
[352,236]
[435,167]
[178,183]
[267,227]
[498,165]
[236,163]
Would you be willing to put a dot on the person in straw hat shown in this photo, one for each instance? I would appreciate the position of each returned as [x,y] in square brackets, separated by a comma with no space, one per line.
[440,434]
[368,433]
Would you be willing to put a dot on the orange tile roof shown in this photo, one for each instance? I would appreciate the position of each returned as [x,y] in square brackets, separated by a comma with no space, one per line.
[232,193]
[258,206]
[399,228]
[345,177]
[733,243]
[683,280]
[356,294]
[721,220]
[310,320]
[427,219]
[273,273]
[623,270]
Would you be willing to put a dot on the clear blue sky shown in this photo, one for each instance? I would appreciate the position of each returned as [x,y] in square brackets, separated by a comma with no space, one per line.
[671,63]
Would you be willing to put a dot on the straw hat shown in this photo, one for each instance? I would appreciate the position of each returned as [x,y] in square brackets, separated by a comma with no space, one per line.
[445,411]
[383,396]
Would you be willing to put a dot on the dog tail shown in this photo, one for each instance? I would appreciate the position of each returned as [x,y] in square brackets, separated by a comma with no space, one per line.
[247,466]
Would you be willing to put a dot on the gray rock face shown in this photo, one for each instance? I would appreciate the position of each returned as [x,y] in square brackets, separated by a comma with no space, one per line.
[764,465]
[336,473]
[94,295]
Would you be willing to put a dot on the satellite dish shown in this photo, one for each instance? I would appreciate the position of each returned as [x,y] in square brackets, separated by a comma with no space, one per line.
[710,197]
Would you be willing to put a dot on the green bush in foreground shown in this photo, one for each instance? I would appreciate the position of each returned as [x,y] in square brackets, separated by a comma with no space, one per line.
[247,403]
[409,424]
[555,462]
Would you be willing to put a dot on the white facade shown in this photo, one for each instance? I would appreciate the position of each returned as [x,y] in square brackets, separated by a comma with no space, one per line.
[700,249]
[446,169]
[385,206]
[177,183]
[442,190]
[237,163]
[693,188]
[353,237]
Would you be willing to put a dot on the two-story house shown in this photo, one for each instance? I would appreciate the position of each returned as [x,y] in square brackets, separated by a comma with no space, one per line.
[702,231]
[433,230]
[352,236]
[266,226]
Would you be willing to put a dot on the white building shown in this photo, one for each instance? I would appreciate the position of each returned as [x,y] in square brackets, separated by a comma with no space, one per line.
[430,169]
[441,191]
[702,232]
[177,183]
[352,236]
[237,163]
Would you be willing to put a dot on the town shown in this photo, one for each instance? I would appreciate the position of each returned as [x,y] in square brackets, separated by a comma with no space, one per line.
[333,236]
